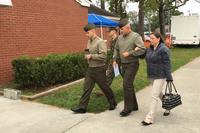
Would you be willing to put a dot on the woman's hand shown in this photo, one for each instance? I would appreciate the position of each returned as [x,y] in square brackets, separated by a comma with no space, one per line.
[136,49]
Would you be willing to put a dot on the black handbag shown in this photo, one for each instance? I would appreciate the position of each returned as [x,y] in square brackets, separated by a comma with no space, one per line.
[170,100]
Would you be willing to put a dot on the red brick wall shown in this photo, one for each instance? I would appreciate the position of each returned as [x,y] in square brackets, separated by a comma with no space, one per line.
[39,27]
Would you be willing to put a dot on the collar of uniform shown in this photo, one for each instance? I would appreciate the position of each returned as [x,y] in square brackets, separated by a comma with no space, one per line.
[127,34]
[91,40]
[115,38]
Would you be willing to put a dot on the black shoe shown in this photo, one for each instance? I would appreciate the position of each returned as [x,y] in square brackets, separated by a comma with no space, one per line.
[166,113]
[112,107]
[145,123]
[125,113]
[135,109]
[78,110]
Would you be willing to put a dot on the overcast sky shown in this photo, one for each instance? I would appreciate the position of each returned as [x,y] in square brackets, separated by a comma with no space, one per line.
[191,7]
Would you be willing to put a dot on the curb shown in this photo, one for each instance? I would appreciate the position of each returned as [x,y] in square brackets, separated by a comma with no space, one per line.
[24,97]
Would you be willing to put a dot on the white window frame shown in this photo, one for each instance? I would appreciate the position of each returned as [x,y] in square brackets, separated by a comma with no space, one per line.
[5,3]
[85,3]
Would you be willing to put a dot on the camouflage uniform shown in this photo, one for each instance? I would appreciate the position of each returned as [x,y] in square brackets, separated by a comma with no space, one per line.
[110,71]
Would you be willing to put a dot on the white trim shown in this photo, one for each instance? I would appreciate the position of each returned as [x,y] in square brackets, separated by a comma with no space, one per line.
[85,3]
[5,3]
[112,18]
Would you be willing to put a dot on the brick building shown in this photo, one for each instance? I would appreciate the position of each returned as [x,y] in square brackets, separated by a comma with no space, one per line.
[38,27]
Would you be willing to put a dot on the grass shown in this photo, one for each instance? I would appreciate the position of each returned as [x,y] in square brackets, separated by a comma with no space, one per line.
[69,97]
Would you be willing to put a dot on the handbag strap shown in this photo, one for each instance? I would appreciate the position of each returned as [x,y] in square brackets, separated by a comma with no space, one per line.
[174,87]
[168,87]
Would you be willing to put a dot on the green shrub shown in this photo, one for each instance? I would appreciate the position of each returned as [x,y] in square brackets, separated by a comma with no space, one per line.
[48,70]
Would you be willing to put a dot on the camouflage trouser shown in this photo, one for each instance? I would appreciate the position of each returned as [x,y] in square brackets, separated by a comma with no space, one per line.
[110,73]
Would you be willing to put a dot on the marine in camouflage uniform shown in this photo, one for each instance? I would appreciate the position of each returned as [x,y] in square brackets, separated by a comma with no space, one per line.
[110,71]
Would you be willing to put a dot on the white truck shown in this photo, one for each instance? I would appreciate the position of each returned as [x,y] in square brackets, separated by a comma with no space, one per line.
[185,30]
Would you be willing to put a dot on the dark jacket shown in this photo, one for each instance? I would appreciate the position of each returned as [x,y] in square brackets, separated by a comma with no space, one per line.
[158,62]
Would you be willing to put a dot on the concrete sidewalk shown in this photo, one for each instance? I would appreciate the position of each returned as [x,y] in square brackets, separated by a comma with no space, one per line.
[29,117]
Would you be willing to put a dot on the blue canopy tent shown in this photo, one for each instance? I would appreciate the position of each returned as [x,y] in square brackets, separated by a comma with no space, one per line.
[101,21]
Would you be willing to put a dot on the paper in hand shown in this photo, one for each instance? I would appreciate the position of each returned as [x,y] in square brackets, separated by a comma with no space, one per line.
[116,70]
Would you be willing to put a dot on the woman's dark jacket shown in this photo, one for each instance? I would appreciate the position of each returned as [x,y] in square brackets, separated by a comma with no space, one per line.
[158,62]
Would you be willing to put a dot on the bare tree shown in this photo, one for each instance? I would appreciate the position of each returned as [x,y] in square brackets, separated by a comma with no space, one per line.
[102,4]
[140,28]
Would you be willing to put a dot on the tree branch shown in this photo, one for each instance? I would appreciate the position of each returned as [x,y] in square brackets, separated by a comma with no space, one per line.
[174,7]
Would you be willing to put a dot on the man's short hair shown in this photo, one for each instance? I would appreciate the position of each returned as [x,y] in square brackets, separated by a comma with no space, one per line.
[89,27]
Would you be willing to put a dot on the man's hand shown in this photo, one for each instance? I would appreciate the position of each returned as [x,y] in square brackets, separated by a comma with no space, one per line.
[125,54]
[114,63]
[88,56]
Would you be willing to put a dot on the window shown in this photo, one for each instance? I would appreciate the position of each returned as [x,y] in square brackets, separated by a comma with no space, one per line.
[84,2]
[5,3]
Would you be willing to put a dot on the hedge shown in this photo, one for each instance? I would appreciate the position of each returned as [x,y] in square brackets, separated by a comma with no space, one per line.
[48,70]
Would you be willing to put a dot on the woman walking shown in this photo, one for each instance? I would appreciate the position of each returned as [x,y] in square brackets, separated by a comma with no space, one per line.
[158,71]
